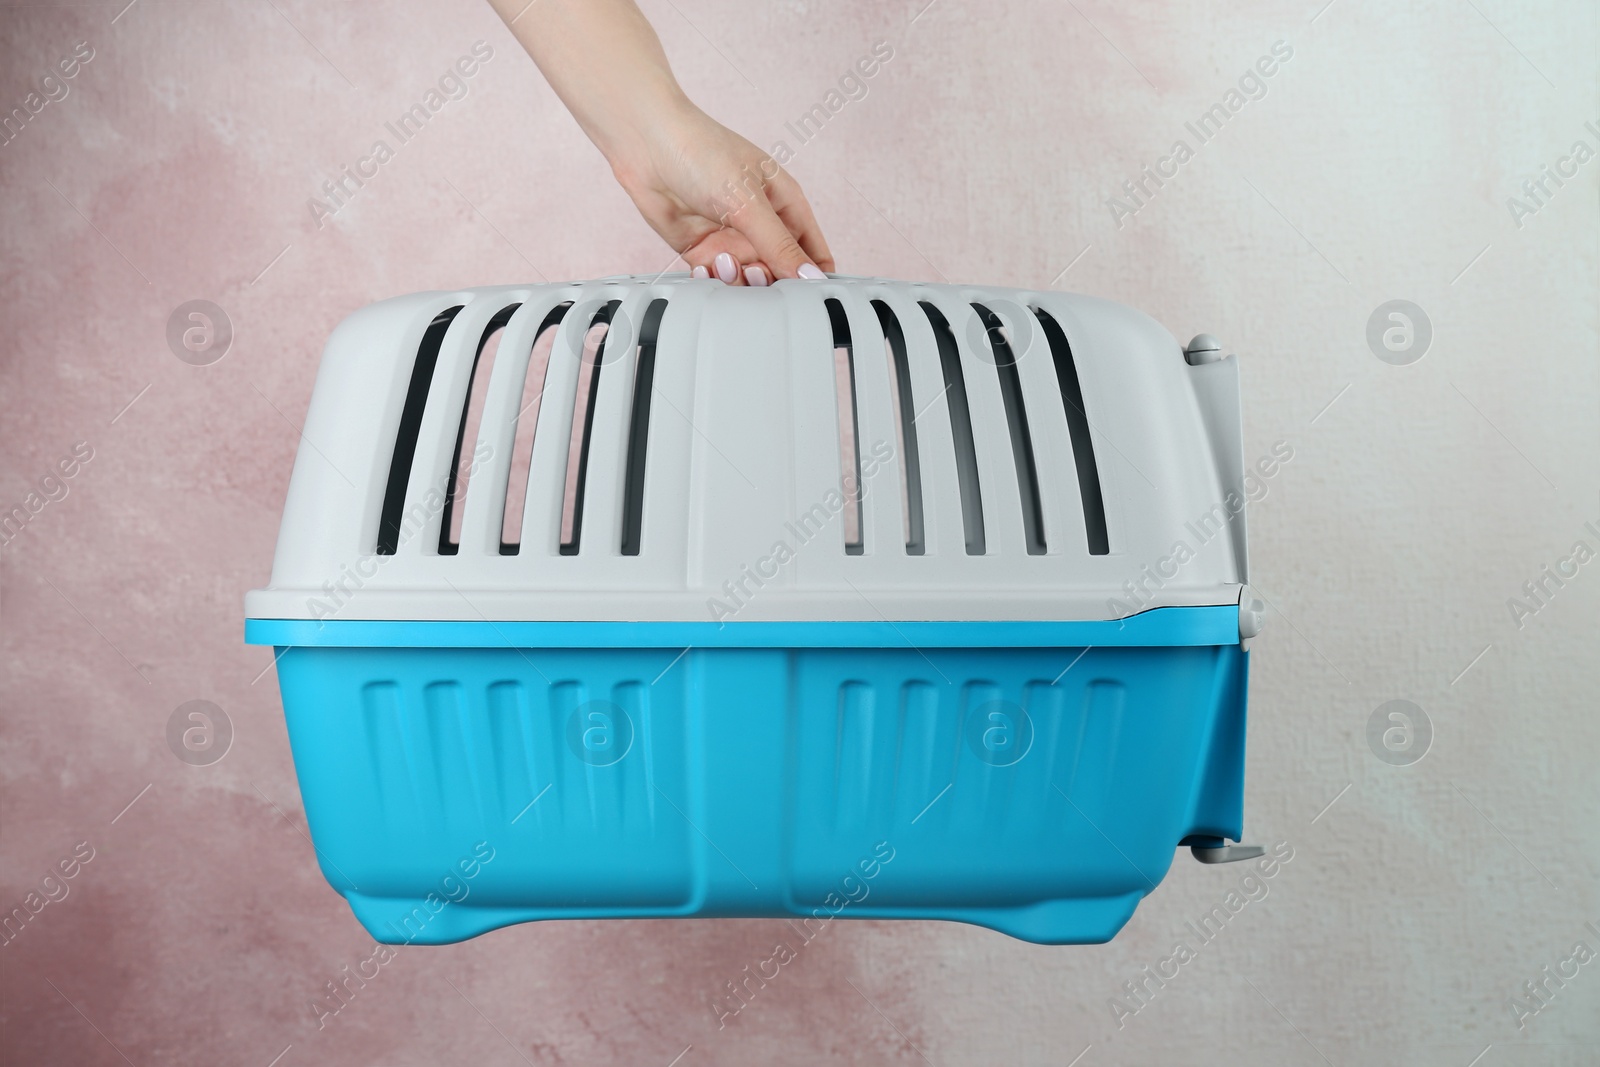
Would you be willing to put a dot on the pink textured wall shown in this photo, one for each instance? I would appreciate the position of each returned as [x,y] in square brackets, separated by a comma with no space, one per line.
[178,165]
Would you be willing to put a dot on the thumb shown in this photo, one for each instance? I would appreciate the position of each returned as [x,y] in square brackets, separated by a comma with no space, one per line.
[773,243]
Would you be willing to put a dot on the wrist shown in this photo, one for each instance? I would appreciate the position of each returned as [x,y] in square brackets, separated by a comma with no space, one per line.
[649,138]
[642,122]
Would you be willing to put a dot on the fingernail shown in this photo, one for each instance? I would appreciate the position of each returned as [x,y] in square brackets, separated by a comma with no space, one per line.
[755,276]
[811,273]
[700,272]
[727,269]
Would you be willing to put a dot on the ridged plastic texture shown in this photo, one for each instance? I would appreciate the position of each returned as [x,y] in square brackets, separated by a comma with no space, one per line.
[729,782]
[1019,455]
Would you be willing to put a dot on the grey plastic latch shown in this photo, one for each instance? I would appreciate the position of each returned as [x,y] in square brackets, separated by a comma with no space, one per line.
[1226,853]
[1203,349]
[1252,613]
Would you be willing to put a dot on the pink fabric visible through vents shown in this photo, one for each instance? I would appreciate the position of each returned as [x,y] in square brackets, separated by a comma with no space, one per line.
[522,443]
[583,401]
[844,391]
[466,459]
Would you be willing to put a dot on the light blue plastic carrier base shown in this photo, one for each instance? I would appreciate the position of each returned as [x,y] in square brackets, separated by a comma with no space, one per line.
[1034,778]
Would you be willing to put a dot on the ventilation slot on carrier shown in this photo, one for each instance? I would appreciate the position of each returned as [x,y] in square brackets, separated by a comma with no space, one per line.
[525,422]
[405,441]
[583,401]
[844,385]
[905,423]
[644,376]
[955,391]
[1094,506]
[1005,361]
[459,479]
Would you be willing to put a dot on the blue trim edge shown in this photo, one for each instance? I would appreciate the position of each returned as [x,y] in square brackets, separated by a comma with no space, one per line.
[1209,625]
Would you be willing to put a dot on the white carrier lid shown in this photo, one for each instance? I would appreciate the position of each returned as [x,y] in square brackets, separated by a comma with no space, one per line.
[1020,455]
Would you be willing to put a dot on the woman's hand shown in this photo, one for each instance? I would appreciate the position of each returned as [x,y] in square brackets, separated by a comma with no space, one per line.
[722,204]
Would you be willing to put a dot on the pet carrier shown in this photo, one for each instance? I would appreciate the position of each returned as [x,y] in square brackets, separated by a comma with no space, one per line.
[857,598]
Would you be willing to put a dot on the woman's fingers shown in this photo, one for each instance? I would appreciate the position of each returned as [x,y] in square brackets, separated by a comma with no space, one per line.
[795,211]
[768,238]
[774,245]
[716,245]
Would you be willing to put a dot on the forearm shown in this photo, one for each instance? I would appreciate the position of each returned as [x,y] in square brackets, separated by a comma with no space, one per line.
[715,198]
[606,64]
